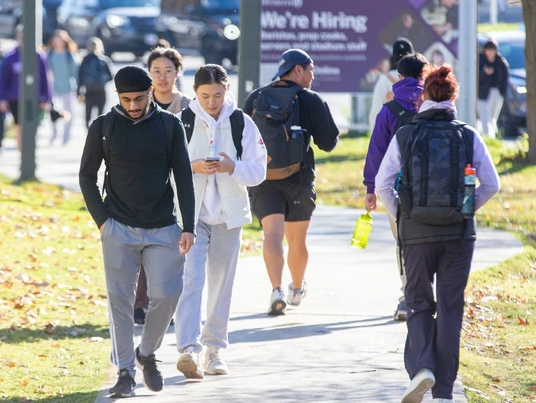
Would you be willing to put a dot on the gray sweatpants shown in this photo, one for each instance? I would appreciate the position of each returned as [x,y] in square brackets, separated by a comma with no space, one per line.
[125,248]
[214,256]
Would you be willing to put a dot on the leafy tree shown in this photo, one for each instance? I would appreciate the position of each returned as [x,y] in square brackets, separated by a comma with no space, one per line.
[529,16]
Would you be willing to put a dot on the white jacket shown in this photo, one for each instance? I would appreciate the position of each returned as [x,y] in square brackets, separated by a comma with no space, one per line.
[383,86]
[223,197]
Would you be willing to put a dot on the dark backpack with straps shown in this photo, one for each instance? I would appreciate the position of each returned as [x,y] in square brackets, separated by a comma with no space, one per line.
[237,127]
[107,129]
[403,116]
[275,110]
[434,155]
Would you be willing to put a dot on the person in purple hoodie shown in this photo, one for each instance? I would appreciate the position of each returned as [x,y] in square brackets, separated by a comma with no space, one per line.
[9,83]
[407,94]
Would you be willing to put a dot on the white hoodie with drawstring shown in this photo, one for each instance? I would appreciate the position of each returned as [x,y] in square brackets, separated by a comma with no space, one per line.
[222,197]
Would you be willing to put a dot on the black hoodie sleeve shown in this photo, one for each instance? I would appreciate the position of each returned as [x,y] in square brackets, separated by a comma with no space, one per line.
[182,171]
[90,164]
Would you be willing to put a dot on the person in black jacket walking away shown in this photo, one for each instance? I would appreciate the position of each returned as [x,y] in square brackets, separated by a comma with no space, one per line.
[140,144]
[95,71]
[493,72]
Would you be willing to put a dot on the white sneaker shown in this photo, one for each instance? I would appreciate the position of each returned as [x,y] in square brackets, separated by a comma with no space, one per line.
[214,365]
[440,400]
[295,295]
[188,364]
[419,385]
[278,305]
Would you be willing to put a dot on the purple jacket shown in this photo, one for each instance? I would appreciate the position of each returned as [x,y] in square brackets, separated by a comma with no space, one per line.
[407,92]
[11,70]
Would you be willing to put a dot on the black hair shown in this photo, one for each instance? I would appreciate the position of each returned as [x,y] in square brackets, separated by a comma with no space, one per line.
[413,65]
[169,53]
[491,44]
[210,74]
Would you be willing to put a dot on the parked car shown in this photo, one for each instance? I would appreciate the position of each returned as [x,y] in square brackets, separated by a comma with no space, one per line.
[122,25]
[209,27]
[513,117]
[11,16]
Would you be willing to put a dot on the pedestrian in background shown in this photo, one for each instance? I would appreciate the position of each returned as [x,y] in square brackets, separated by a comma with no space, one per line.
[9,84]
[443,249]
[493,72]
[222,171]
[140,144]
[63,66]
[95,71]
[407,91]
[383,89]
[165,65]
[285,201]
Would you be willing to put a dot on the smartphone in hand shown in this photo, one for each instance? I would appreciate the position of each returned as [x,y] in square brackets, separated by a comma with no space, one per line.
[212,159]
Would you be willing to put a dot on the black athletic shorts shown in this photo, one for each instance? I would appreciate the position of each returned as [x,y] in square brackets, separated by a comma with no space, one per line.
[14,109]
[286,196]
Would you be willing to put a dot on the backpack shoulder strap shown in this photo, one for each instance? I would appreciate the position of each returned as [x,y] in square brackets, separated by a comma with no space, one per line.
[188,120]
[237,130]
[394,106]
[107,128]
[106,132]
[468,137]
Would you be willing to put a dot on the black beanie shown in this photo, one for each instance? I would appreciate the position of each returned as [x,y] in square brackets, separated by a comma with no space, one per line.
[132,79]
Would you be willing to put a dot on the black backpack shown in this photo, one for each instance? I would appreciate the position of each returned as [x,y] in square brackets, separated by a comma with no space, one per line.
[403,116]
[237,127]
[95,75]
[434,155]
[108,121]
[275,110]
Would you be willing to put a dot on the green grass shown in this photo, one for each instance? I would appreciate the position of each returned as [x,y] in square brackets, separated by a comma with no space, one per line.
[502,26]
[54,342]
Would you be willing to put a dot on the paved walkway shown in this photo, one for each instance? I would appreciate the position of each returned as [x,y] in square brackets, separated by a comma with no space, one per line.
[340,345]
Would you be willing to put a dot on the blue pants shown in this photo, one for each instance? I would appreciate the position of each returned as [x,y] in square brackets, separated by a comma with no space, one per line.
[434,328]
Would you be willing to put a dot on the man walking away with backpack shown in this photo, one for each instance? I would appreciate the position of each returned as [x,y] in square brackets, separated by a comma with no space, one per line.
[140,144]
[95,71]
[394,114]
[288,115]
[436,228]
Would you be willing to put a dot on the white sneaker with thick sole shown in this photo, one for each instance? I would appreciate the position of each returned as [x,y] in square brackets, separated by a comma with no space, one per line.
[295,295]
[419,385]
[188,364]
[214,365]
[278,303]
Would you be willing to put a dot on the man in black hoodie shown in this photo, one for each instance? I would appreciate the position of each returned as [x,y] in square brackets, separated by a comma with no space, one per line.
[140,144]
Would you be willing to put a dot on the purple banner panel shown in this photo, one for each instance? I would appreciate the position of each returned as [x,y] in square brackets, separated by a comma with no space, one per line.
[351,41]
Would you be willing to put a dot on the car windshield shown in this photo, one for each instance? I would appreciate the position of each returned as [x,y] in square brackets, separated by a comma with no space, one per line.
[221,4]
[105,4]
[514,53]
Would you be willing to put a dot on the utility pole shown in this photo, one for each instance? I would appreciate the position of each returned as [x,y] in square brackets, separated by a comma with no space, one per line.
[28,100]
[249,48]
[467,61]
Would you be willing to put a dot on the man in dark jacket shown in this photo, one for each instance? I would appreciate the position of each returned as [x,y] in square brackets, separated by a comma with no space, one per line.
[493,72]
[285,206]
[140,144]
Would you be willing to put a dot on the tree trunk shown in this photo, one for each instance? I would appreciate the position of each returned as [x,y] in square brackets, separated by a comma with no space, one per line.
[529,16]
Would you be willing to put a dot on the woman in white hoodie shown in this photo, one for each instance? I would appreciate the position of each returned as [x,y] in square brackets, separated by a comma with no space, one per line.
[222,208]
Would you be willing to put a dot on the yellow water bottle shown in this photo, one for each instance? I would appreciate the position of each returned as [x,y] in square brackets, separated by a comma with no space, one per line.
[363,226]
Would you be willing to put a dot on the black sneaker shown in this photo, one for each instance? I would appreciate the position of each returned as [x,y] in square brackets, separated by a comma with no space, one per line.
[139,316]
[152,377]
[401,313]
[125,385]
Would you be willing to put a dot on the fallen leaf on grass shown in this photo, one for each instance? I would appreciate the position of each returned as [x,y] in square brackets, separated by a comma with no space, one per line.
[532,388]
[12,364]
[24,383]
[523,321]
